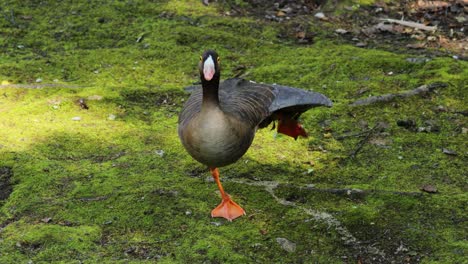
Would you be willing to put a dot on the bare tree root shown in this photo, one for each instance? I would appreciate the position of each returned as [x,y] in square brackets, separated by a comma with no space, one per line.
[423,89]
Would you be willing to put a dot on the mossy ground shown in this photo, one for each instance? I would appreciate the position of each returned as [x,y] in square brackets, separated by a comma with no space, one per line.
[118,187]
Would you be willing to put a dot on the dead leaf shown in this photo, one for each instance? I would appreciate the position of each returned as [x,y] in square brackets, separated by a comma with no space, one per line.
[341,31]
[361,44]
[280,14]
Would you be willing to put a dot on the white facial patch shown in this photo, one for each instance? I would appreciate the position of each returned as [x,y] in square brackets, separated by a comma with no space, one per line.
[209,68]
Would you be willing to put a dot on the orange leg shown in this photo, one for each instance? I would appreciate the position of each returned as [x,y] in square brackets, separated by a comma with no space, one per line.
[227,208]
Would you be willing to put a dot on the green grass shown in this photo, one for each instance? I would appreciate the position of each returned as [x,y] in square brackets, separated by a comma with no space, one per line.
[97,190]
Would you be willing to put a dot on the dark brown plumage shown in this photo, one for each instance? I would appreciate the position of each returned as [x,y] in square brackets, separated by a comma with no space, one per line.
[218,121]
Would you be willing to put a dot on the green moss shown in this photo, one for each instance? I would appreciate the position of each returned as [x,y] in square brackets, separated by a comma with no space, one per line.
[119,188]
[48,242]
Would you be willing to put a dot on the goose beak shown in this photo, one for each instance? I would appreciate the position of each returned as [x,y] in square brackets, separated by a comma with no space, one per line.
[208,68]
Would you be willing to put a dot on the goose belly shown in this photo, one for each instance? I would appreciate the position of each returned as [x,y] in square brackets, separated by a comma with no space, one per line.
[217,144]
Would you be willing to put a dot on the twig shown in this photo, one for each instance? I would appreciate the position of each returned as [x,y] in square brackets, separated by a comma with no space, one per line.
[389,97]
[364,140]
[410,24]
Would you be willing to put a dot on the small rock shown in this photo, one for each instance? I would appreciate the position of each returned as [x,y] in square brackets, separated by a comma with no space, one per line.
[46,220]
[286,244]
[417,60]
[432,126]
[216,223]
[38,80]
[460,19]
[429,188]
[188,212]
[287,9]
[320,15]
[159,152]
[441,108]
[76,118]
[111,117]
[361,44]
[341,31]
[449,152]
[209,179]
[416,46]
[422,129]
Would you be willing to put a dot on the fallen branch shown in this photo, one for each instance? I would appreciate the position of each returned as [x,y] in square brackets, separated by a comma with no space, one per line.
[410,24]
[390,97]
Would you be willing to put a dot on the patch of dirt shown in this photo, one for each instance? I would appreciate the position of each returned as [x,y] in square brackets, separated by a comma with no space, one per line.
[433,25]
[6,187]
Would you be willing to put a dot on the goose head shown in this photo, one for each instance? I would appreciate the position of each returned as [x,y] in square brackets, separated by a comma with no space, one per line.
[209,66]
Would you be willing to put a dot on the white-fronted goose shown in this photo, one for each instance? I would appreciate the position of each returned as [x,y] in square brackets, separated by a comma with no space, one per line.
[218,121]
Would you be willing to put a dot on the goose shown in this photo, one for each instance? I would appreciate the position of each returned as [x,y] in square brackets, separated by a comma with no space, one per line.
[218,121]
